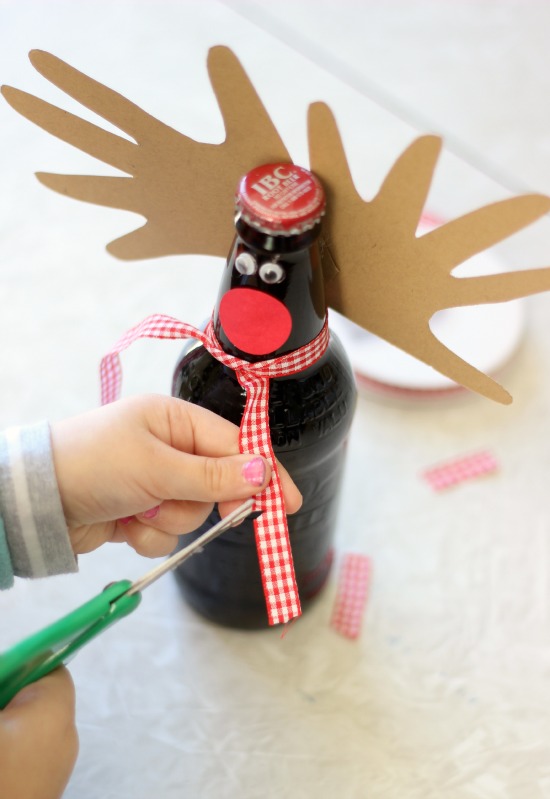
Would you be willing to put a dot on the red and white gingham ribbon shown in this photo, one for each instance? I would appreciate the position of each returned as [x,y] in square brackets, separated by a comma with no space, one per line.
[351,596]
[271,529]
[467,467]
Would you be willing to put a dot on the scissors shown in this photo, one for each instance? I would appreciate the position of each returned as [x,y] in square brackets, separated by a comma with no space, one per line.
[44,651]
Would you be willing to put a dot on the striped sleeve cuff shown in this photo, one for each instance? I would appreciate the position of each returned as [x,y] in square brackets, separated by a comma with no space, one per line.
[36,532]
[6,571]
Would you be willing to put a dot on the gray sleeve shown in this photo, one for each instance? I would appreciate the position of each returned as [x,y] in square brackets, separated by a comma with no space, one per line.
[36,532]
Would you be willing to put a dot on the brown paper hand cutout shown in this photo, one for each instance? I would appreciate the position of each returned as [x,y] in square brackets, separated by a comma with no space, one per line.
[185,189]
[378,273]
[405,279]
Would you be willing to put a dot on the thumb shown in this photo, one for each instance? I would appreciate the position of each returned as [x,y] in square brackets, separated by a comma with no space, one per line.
[53,692]
[183,476]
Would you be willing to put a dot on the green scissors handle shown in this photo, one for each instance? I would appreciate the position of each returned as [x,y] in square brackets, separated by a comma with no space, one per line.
[37,655]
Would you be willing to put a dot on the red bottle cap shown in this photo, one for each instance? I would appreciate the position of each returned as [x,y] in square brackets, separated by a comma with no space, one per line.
[280,199]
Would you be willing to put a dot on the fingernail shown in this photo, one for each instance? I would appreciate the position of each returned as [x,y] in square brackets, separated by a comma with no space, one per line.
[126,520]
[254,472]
[151,513]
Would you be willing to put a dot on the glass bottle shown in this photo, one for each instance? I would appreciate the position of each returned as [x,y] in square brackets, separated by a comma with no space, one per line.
[271,302]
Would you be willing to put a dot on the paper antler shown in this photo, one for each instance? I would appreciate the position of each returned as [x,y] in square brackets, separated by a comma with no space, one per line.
[392,282]
[184,188]
[378,272]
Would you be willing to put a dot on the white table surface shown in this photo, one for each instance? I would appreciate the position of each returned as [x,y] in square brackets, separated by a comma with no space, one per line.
[447,691]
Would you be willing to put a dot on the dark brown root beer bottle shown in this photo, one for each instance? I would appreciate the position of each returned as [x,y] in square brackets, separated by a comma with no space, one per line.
[271,302]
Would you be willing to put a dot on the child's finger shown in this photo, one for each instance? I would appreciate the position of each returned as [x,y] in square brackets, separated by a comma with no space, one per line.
[38,737]
[53,694]
[147,541]
[179,475]
[176,517]
[293,497]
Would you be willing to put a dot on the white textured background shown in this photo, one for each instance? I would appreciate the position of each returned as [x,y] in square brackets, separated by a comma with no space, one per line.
[447,693]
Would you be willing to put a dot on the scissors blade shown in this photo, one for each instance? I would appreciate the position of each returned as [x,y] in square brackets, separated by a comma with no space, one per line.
[236,516]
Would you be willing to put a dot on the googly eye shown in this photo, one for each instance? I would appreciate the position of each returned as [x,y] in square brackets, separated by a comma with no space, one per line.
[245,264]
[272,272]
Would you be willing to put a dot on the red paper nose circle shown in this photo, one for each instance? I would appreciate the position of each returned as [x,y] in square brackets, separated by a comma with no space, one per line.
[254,322]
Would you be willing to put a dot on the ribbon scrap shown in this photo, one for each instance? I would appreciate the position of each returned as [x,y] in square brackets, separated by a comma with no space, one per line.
[271,528]
[457,470]
[351,596]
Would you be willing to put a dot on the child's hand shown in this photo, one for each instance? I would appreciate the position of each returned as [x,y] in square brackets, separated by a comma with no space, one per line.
[38,739]
[147,469]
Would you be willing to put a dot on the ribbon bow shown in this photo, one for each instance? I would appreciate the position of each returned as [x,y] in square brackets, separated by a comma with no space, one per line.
[271,529]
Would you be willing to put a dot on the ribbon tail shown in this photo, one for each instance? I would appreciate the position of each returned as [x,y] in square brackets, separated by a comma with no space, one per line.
[271,528]
[110,372]
[277,566]
[155,326]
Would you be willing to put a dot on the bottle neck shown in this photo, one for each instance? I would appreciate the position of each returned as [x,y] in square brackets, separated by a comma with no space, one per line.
[250,329]
[269,243]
